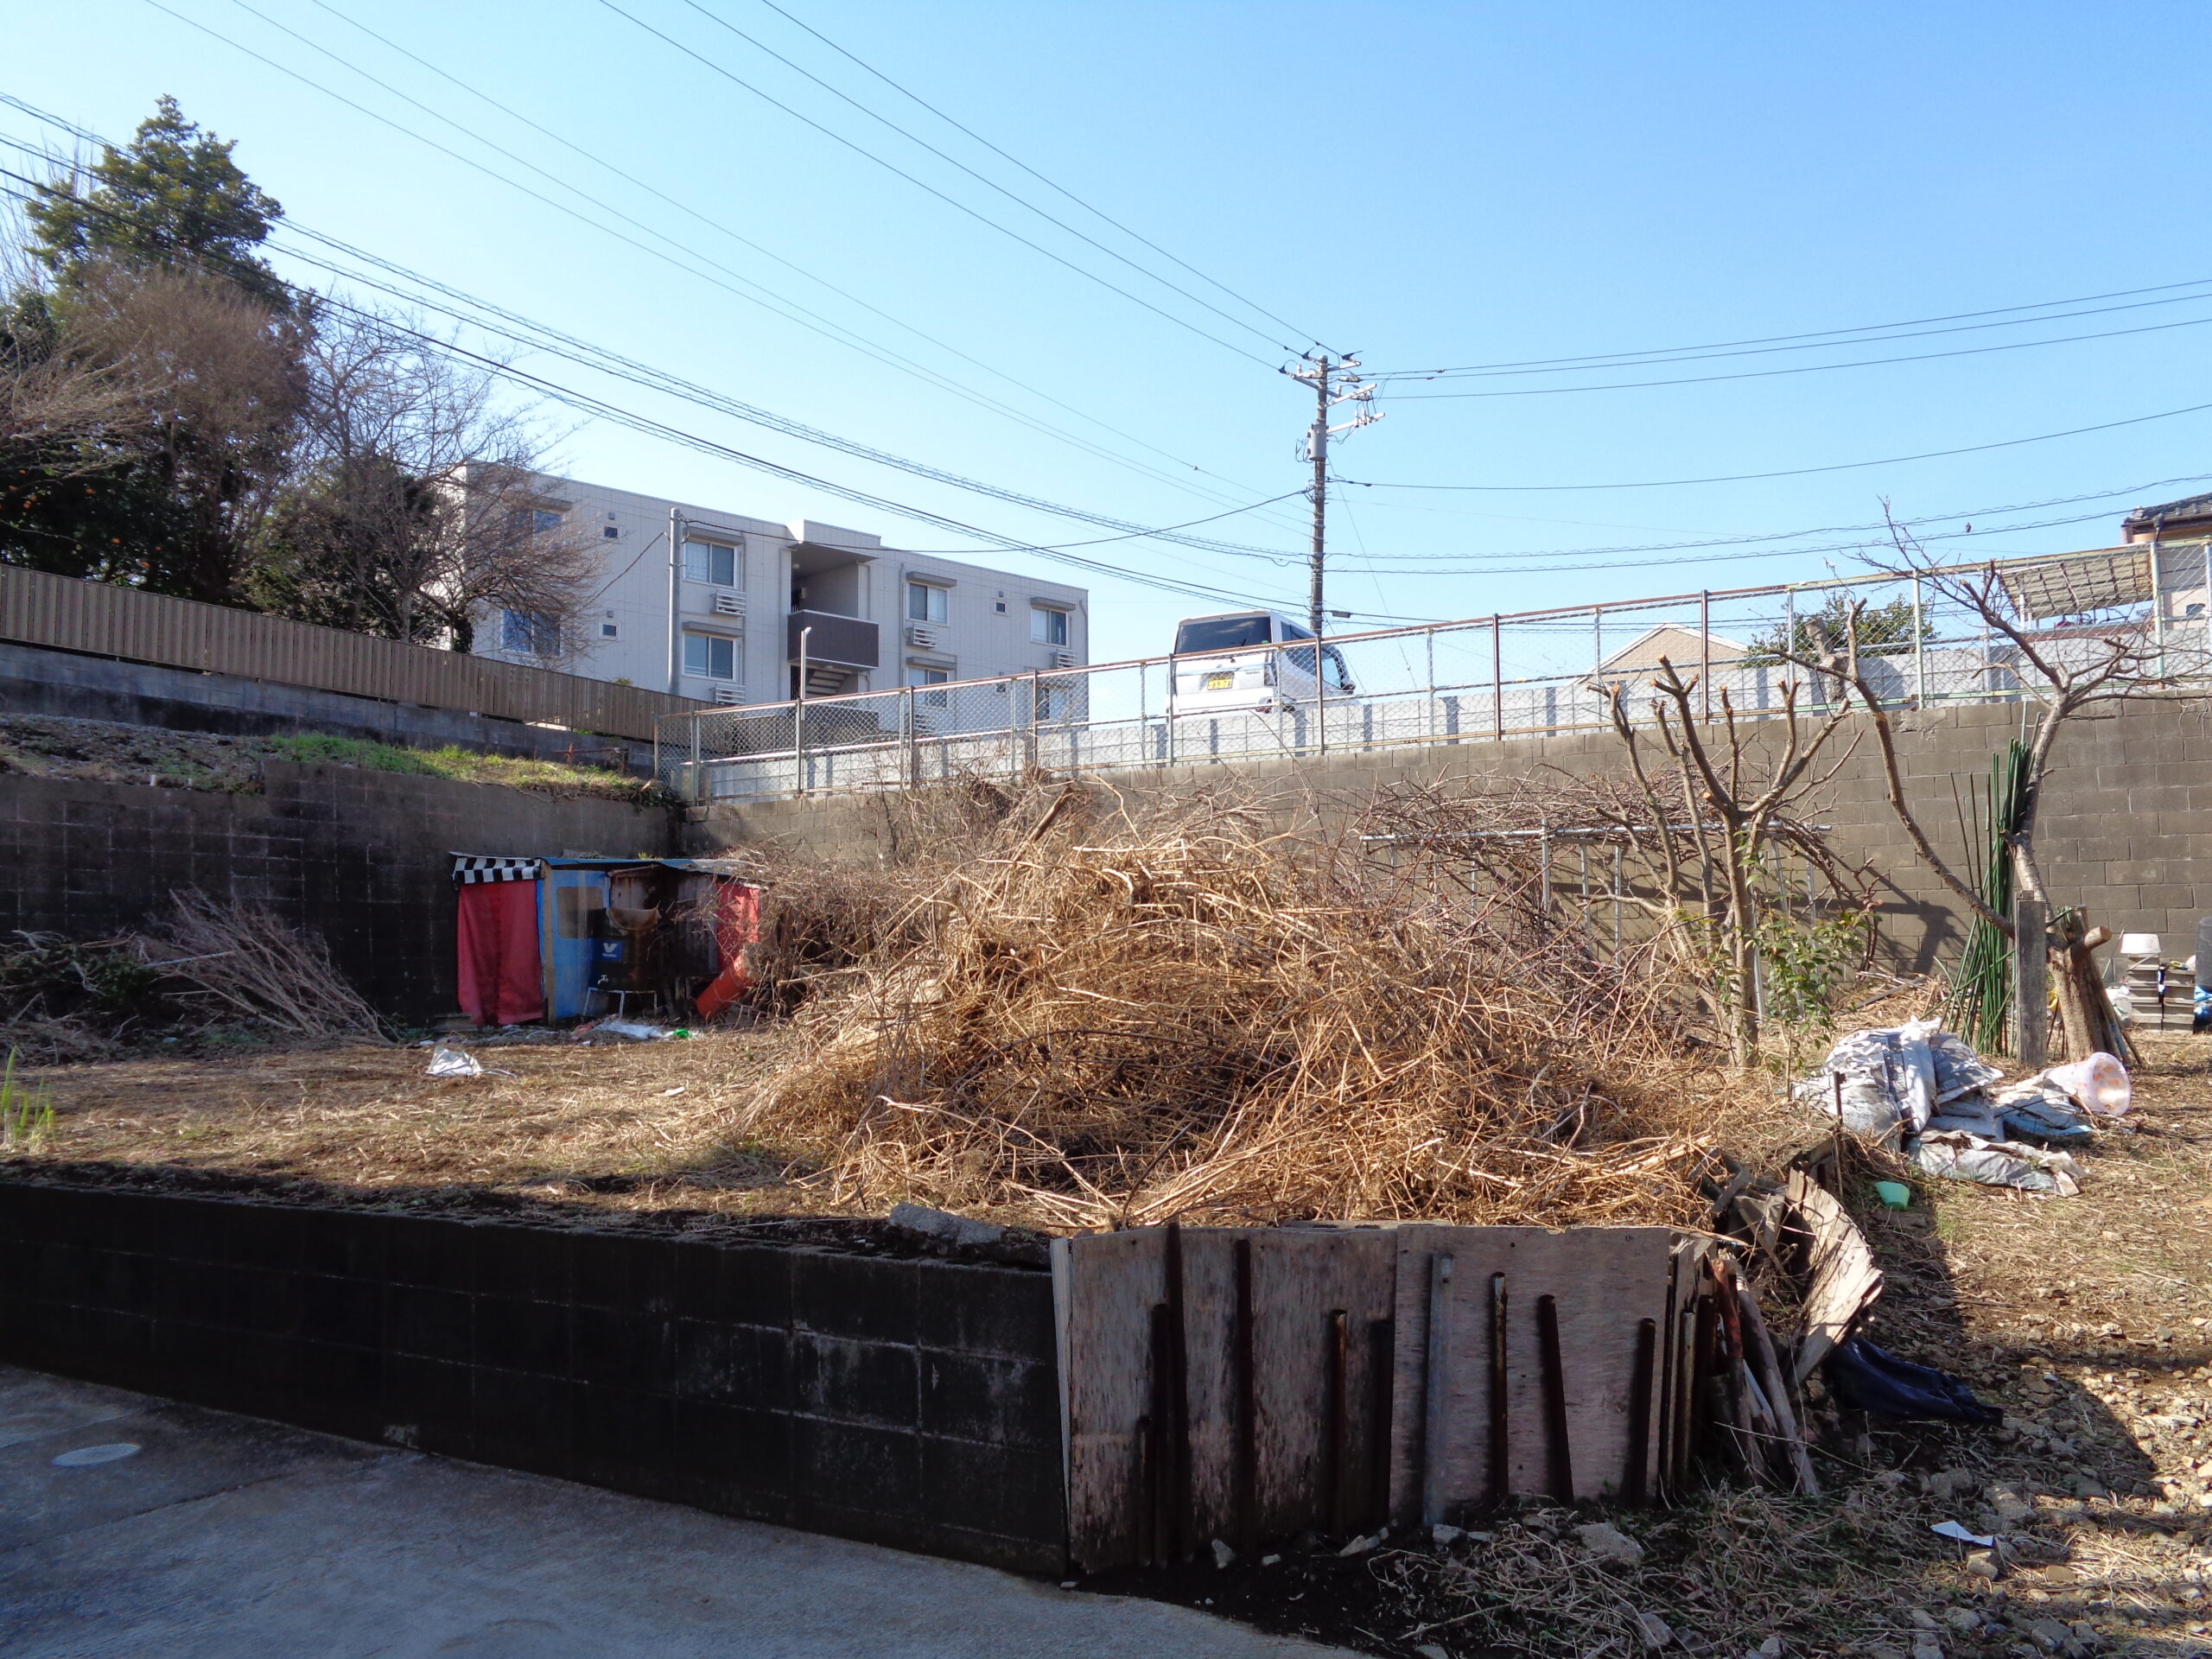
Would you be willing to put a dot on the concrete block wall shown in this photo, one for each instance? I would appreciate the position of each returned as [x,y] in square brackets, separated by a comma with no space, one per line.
[358,856]
[909,1402]
[2126,826]
[37,681]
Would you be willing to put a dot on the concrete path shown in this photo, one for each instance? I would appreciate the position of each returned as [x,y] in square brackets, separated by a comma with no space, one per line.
[226,1537]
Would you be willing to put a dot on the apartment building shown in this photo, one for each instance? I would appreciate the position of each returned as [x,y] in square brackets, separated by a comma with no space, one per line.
[719,605]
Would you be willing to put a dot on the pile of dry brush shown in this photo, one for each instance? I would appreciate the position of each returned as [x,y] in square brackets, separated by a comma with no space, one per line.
[1100,1018]
[201,966]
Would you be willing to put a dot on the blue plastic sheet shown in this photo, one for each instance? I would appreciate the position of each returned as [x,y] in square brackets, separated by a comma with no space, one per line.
[1875,1381]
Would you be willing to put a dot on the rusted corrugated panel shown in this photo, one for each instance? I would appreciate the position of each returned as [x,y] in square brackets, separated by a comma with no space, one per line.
[100,619]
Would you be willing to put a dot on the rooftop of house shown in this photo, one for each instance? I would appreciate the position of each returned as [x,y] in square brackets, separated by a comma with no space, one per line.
[2191,511]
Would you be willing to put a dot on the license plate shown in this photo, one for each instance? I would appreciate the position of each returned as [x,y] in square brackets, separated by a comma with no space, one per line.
[1220,682]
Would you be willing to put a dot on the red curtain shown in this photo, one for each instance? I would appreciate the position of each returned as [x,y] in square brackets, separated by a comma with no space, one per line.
[500,984]
[737,924]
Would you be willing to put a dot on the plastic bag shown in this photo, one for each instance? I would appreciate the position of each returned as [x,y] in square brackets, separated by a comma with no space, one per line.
[1894,1078]
[1995,1163]
[1875,1381]
[2039,1109]
[2099,1083]
[452,1063]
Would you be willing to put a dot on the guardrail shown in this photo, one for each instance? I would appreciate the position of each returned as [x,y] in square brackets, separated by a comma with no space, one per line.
[1535,673]
[102,619]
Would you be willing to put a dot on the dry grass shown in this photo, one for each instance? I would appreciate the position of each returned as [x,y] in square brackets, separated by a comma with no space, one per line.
[599,1123]
[1103,1020]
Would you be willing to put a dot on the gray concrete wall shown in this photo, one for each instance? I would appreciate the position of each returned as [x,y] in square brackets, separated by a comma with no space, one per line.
[2125,831]
[36,681]
[358,856]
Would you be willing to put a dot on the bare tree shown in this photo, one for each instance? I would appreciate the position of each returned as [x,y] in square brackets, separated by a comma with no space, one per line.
[2069,672]
[416,507]
[1735,797]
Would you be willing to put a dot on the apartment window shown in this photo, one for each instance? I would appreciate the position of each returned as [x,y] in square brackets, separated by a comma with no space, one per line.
[535,521]
[610,630]
[610,533]
[710,562]
[709,656]
[922,677]
[1047,627]
[530,633]
[925,602]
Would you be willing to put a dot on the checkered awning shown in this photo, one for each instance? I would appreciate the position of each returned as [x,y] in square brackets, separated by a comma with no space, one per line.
[470,868]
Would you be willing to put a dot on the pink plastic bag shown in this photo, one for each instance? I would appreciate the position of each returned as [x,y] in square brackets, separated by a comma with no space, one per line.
[2099,1083]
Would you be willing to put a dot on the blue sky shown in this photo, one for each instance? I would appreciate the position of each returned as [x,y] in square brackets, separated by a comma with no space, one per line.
[1432,185]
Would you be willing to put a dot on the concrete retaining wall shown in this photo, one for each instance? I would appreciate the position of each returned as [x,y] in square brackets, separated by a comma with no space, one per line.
[908,1402]
[358,856]
[2126,824]
[36,681]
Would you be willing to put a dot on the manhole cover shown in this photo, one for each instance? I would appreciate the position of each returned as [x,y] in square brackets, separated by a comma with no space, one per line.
[91,1454]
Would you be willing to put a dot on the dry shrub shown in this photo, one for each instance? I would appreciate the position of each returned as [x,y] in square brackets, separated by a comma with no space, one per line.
[822,919]
[243,959]
[1102,1023]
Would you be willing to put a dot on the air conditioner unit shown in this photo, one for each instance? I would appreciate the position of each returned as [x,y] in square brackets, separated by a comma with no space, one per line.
[922,639]
[730,603]
[727,694]
[1063,659]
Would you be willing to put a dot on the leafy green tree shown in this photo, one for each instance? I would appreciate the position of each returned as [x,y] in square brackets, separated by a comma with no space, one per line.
[1880,630]
[141,274]
[173,198]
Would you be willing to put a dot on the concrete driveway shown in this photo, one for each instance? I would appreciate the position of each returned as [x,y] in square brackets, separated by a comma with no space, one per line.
[233,1538]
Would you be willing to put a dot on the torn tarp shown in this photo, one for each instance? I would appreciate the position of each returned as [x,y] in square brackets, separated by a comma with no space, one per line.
[1895,1078]
[1964,1157]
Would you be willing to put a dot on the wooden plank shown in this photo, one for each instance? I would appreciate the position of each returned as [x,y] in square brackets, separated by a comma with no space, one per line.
[1842,1281]
[1114,1281]
[1603,1281]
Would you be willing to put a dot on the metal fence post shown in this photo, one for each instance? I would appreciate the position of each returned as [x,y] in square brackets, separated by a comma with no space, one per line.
[799,719]
[1790,631]
[1321,696]
[910,760]
[1497,676]
[1919,649]
[1704,653]
[1429,636]
[698,789]
[1036,713]
[2158,607]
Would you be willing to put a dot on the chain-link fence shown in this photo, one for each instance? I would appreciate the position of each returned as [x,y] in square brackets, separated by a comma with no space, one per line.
[1487,678]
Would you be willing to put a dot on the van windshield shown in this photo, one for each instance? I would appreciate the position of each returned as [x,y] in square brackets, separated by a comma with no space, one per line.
[1220,633]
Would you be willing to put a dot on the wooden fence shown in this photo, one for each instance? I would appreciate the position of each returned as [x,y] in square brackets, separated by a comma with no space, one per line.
[103,620]
[1248,1384]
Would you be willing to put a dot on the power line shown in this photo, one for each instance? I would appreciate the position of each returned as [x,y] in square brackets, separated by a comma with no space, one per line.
[1727,558]
[980,178]
[1654,361]
[717,225]
[1609,359]
[1412,564]
[952,201]
[1792,472]
[1800,368]
[907,93]
[599,408]
[830,329]
[582,352]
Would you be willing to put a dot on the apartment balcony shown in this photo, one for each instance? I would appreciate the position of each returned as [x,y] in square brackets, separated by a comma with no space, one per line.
[839,641]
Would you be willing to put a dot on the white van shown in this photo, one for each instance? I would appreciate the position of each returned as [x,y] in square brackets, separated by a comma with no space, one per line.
[1250,660]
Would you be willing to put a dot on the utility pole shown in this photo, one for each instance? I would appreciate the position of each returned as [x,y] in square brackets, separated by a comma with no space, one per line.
[1333,382]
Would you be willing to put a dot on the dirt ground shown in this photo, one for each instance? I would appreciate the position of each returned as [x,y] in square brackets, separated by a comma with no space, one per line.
[611,1125]
[2089,1319]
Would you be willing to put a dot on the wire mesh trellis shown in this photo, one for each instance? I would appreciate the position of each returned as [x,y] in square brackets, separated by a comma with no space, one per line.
[1483,679]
